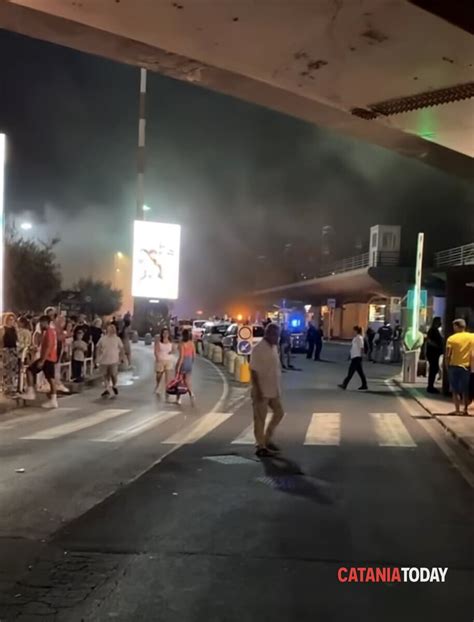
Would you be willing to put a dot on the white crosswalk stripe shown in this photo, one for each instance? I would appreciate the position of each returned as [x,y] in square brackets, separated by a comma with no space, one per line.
[390,431]
[246,438]
[324,429]
[137,428]
[77,424]
[196,430]
[37,416]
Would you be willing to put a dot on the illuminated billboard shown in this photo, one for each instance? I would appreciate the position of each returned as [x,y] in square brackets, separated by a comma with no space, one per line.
[155,260]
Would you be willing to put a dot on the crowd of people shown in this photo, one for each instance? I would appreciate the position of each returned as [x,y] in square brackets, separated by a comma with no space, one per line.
[34,346]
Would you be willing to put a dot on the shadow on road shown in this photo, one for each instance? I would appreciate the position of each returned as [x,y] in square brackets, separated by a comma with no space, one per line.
[286,476]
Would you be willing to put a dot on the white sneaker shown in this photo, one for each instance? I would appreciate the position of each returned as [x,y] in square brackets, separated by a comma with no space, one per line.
[29,394]
[62,389]
[51,403]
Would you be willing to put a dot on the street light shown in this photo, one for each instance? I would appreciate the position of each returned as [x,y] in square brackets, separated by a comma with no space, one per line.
[146,208]
[2,186]
[26,226]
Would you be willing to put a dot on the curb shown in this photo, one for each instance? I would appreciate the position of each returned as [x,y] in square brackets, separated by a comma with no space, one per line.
[460,439]
[414,395]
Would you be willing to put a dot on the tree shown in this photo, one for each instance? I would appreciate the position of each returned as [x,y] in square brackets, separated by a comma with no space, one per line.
[32,274]
[98,297]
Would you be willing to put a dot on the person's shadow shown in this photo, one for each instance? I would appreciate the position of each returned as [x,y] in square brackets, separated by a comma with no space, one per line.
[286,476]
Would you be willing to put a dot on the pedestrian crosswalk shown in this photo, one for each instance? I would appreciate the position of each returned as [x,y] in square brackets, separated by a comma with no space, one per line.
[324,429]
[78,424]
[390,430]
[119,425]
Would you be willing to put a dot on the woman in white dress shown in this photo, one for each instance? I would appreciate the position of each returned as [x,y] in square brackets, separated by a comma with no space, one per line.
[164,359]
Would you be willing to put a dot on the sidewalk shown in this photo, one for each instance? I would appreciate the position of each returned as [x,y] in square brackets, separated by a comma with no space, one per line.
[440,407]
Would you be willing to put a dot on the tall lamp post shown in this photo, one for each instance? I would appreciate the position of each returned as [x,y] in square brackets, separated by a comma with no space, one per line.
[3,141]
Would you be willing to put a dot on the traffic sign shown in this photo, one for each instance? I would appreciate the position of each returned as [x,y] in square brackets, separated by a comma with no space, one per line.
[244,347]
[244,340]
[245,333]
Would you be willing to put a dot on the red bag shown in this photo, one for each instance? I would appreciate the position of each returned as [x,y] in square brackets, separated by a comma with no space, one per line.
[176,386]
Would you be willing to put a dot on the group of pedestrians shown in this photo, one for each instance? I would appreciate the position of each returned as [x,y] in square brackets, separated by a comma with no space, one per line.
[385,344]
[34,347]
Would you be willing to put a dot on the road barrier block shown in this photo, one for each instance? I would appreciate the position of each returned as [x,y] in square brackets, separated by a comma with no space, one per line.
[244,373]
[135,336]
[237,365]
[148,339]
[231,358]
[217,355]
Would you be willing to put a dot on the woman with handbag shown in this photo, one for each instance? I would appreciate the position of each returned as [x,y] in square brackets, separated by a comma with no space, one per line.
[184,368]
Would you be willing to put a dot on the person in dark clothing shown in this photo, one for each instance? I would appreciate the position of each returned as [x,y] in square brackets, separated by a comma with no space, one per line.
[369,343]
[311,339]
[385,334]
[397,343]
[434,349]
[318,346]
[96,334]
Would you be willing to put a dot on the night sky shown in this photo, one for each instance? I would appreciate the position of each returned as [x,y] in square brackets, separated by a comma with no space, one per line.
[243,181]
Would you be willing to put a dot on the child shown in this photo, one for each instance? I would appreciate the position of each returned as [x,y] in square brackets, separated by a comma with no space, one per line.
[79,350]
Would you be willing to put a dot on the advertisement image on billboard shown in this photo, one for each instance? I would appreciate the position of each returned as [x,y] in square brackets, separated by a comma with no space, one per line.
[155,260]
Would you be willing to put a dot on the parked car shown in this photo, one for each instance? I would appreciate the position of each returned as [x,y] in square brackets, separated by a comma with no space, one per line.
[214,333]
[198,329]
[231,336]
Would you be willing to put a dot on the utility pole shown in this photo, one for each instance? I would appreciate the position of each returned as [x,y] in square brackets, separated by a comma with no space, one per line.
[141,146]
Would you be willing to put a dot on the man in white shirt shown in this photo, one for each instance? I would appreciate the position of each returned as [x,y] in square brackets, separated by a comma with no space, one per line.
[357,349]
[265,368]
[109,354]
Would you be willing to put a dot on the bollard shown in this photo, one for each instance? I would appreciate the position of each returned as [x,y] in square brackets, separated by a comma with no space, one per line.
[217,355]
[199,347]
[148,339]
[205,348]
[244,373]
[410,366]
[239,360]
[231,362]
[210,351]
[135,336]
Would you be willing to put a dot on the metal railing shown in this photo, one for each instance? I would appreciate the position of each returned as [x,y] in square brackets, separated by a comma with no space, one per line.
[64,368]
[345,265]
[381,258]
[458,256]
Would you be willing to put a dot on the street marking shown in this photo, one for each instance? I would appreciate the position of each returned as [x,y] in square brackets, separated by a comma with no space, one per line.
[196,430]
[137,428]
[78,424]
[246,437]
[324,429]
[390,430]
[20,419]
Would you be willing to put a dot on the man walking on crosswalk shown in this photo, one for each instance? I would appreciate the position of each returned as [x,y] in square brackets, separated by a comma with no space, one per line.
[266,390]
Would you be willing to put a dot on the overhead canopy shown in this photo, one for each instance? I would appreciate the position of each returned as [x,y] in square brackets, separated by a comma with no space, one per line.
[353,286]
[385,71]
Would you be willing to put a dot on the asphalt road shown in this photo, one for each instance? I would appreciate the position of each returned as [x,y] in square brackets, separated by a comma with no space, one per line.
[151,512]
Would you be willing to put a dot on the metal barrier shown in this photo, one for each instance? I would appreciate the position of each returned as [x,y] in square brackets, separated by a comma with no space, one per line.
[63,367]
[458,256]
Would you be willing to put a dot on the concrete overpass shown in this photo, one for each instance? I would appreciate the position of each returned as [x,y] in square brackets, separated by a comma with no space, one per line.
[385,71]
